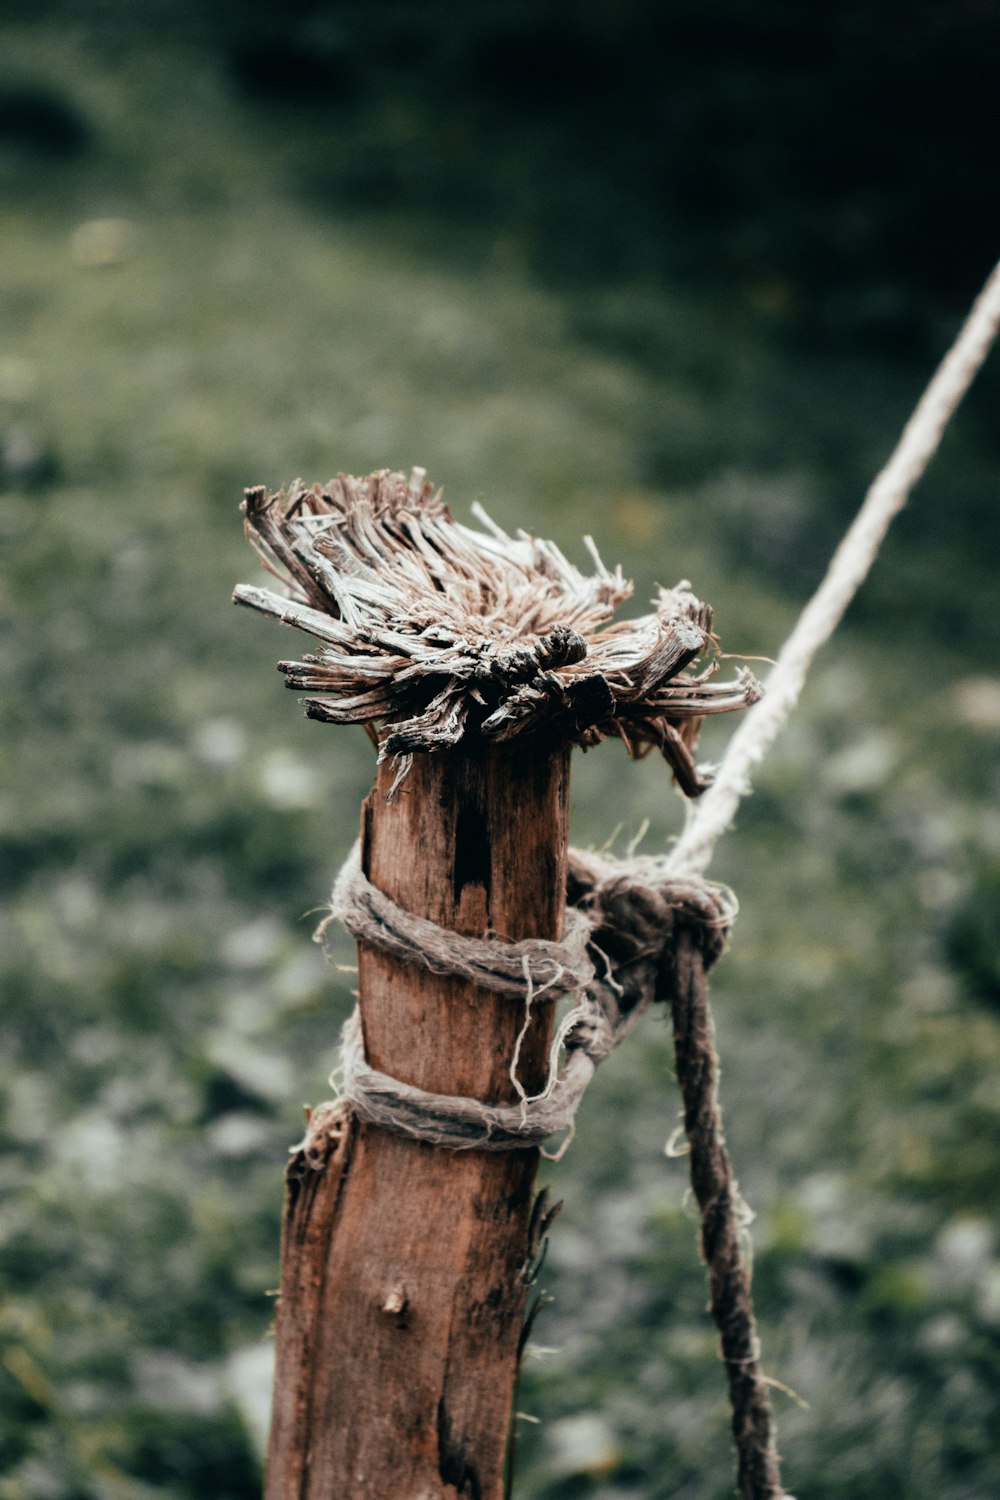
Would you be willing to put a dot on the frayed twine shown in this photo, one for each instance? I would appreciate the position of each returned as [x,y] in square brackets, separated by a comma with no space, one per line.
[611,964]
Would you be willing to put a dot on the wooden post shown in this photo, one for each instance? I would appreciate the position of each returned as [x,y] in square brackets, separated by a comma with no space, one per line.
[475,659]
[403,1282]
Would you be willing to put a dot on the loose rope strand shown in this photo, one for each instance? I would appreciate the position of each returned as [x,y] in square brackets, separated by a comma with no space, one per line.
[724,1217]
[851,563]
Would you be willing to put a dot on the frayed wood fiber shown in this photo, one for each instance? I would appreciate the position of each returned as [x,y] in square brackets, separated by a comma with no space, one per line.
[433,633]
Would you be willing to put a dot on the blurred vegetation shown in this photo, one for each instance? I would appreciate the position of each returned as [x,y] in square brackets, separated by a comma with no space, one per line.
[671,275]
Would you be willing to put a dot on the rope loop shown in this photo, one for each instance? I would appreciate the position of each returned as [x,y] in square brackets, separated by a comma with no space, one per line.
[614,962]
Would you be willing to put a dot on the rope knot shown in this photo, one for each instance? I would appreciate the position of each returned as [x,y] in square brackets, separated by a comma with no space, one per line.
[636,909]
[623,924]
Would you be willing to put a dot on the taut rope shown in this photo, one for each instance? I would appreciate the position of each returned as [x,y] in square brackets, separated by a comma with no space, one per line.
[848,569]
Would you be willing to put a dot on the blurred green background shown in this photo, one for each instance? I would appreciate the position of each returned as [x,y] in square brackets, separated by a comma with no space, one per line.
[670,274]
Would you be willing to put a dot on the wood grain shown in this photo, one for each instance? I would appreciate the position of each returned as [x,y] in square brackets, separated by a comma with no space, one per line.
[403,1265]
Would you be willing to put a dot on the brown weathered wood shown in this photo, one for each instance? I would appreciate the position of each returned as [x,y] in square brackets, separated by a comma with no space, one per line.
[403,1265]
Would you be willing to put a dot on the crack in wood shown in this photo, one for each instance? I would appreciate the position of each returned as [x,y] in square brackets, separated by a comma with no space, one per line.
[473,859]
[454,1464]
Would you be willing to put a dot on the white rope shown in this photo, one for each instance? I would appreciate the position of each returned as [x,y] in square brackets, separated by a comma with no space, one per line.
[847,571]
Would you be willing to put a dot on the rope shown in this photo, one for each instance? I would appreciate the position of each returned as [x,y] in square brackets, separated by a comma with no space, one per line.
[724,1217]
[523,970]
[452,1122]
[620,928]
[847,571]
[496,964]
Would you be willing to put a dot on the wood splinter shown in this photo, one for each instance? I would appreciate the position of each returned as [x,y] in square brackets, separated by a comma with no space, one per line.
[476,660]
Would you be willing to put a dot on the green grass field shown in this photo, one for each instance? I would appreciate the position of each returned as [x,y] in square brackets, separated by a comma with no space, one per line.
[180,318]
